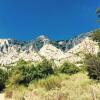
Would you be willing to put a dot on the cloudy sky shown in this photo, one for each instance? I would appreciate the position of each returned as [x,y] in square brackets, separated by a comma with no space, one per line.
[58,19]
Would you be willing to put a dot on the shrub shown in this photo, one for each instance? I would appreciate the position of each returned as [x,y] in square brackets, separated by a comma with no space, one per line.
[21,62]
[93,66]
[24,73]
[96,36]
[44,69]
[98,54]
[28,73]
[69,68]
[3,78]
[49,83]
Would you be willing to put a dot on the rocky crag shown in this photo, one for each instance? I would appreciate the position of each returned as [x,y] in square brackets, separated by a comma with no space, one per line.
[12,50]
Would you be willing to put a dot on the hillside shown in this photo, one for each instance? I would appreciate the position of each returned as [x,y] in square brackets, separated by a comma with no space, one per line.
[87,45]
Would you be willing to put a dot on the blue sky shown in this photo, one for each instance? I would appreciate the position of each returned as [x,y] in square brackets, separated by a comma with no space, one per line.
[58,19]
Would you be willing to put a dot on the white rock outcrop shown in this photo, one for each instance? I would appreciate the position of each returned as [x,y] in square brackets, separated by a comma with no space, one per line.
[86,46]
[11,51]
[52,53]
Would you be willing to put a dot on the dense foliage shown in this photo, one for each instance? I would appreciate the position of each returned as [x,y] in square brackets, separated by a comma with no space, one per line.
[24,73]
[69,68]
[96,36]
[93,66]
[3,78]
[44,69]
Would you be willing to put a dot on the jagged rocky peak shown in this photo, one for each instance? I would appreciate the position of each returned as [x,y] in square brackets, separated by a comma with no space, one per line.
[5,42]
[59,51]
[40,42]
[4,45]
[76,40]
[43,38]
[10,42]
[12,50]
[52,53]
[10,45]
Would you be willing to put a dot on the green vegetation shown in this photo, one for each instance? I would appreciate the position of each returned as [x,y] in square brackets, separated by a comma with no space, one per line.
[96,36]
[49,83]
[44,69]
[3,78]
[24,73]
[27,75]
[92,62]
[93,66]
[69,68]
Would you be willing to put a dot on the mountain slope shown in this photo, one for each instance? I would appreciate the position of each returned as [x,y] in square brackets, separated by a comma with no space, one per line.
[87,45]
[52,53]
[12,50]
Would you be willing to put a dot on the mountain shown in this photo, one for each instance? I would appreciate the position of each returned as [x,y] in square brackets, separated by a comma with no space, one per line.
[13,50]
[58,51]
[52,53]
[87,45]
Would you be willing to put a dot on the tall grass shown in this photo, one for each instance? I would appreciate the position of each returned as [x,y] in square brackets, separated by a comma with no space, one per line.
[63,87]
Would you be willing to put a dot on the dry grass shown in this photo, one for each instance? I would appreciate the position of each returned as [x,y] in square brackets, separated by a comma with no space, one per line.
[62,87]
[49,83]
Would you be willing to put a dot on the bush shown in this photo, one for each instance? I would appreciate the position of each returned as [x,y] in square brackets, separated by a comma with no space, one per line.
[96,36]
[21,62]
[25,73]
[3,78]
[22,75]
[44,69]
[49,83]
[93,66]
[98,54]
[69,68]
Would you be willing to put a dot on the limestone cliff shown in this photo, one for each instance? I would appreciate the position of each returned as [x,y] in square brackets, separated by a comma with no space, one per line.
[12,50]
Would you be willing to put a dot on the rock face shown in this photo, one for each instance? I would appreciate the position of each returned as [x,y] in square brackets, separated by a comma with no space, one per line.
[75,41]
[40,41]
[74,55]
[85,46]
[12,50]
[52,53]
[4,44]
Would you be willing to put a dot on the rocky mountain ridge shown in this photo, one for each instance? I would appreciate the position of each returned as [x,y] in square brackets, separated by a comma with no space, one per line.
[12,50]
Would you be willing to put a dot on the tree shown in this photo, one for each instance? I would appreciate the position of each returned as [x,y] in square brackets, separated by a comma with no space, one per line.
[96,36]
[93,66]
[69,68]
[3,78]
[23,73]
